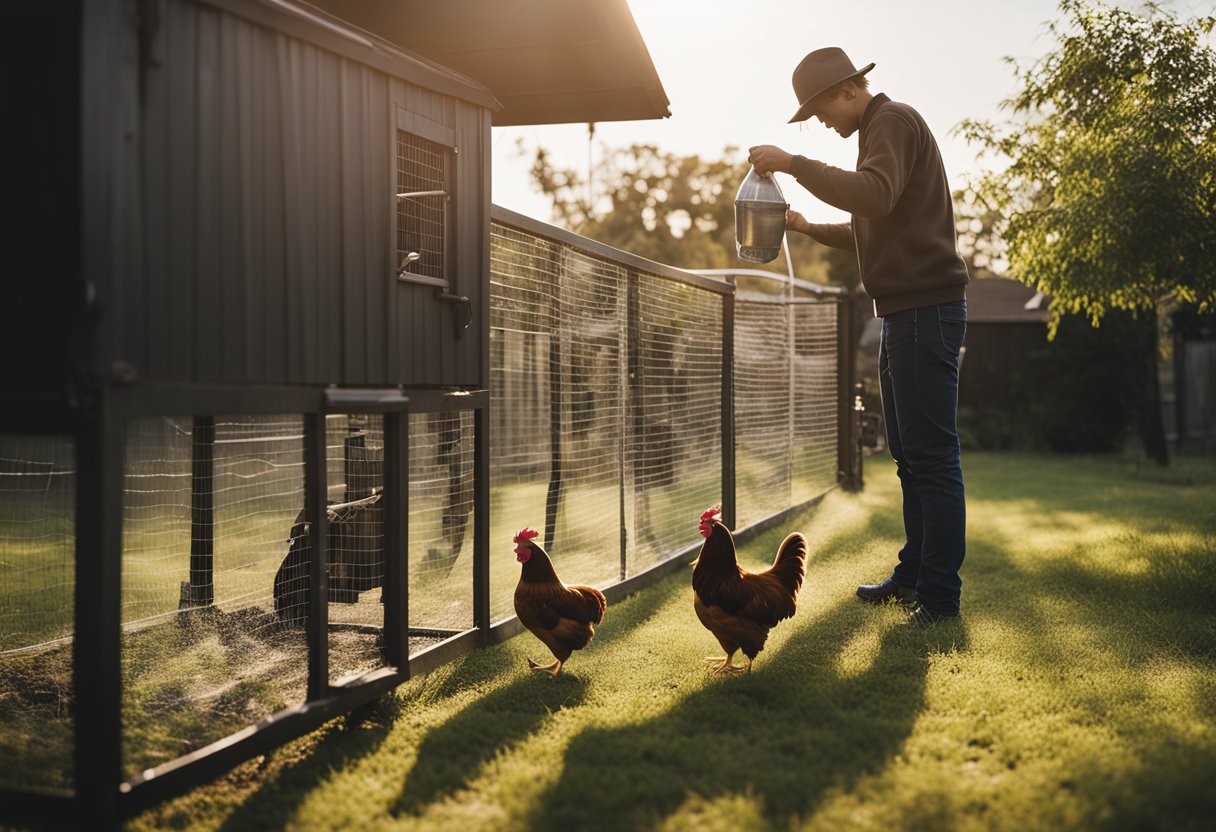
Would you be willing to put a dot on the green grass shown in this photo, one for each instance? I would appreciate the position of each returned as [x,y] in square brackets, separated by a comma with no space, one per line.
[1078,691]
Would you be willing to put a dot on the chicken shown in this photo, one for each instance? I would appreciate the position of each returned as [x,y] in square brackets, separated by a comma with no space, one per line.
[563,617]
[737,606]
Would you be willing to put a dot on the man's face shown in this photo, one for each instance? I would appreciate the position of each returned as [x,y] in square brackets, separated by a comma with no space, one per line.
[837,113]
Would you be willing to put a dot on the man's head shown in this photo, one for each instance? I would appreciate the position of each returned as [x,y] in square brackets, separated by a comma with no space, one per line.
[831,89]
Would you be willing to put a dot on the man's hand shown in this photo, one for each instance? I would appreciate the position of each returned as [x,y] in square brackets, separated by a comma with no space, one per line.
[796,222]
[766,158]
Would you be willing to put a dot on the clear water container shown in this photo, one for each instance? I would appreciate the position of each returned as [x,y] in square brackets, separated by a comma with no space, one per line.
[759,218]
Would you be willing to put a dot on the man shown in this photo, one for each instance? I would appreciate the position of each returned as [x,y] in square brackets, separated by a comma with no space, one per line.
[903,231]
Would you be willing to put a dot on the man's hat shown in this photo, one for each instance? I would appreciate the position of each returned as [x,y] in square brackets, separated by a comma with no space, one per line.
[819,71]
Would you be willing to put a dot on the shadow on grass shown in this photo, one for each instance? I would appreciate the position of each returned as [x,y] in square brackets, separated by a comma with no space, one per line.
[786,734]
[452,755]
[1157,595]
[343,744]
[1080,626]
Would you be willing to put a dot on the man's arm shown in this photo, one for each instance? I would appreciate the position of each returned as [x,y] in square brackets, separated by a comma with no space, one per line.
[870,191]
[836,235]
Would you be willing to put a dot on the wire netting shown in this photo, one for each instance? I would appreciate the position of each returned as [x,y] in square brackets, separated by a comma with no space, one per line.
[216,499]
[422,207]
[559,388]
[786,393]
[763,413]
[239,653]
[589,378]
[440,526]
[606,388]
[675,454]
[37,609]
[355,467]
[523,362]
[816,394]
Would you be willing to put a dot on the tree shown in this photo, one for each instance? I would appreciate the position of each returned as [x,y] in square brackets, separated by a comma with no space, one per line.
[677,210]
[1109,199]
[979,240]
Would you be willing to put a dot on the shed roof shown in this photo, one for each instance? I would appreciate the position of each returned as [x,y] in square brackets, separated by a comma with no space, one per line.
[547,61]
[999,300]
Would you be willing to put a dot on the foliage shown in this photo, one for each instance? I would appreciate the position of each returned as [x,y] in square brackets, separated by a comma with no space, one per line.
[1085,402]
[977,230]
[1110,197]
[1069,394]
[673,209]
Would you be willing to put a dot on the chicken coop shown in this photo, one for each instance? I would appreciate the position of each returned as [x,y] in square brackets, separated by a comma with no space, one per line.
[262,323]
[249,375]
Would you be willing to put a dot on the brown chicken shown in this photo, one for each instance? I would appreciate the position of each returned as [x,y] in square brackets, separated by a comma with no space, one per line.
[737,606]
[563,617]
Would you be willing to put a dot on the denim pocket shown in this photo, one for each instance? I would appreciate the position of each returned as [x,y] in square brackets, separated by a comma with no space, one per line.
[952,326]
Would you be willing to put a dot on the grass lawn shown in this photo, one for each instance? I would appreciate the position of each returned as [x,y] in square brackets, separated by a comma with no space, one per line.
[1078,691]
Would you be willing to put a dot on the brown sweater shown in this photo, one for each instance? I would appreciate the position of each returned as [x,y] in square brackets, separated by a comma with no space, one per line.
[903,216]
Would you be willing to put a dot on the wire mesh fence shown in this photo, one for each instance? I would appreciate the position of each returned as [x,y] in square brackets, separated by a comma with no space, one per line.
[786,398]
[211,519]
[607,429]
[675,443]
[607,405]
[37,587]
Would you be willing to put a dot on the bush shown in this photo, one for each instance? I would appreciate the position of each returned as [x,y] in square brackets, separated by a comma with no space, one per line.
[1093,383]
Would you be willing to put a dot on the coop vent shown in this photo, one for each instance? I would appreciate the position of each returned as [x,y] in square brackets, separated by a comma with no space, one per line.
[423,210]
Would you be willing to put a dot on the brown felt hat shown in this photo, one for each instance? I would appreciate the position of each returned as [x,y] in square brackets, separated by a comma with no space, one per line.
[819,71]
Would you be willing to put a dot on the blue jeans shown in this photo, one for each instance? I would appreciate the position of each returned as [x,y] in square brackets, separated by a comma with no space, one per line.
[918,369]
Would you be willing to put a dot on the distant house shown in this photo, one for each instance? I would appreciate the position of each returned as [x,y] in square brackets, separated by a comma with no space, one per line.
[1006,337]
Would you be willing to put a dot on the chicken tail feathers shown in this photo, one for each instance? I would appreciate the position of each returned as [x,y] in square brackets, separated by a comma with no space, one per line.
[790,566]
[594,599]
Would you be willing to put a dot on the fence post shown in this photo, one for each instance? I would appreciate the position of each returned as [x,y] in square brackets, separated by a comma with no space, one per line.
[729,494]
[481,518]
[554,496]
[97,647]
[316,488]
[396,539]
[846,445]
[200,592]
[631,432]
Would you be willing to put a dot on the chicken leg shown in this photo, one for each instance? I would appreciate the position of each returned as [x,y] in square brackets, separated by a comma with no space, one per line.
[552,669]
[725,664]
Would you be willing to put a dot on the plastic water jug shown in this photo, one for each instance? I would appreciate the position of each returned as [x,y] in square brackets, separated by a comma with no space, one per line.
[759,218]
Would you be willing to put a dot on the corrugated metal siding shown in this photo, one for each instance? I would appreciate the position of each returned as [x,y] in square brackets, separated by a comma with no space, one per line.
[269,217]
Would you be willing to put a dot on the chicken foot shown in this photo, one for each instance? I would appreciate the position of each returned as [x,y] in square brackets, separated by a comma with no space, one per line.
[725,664]
[552,669]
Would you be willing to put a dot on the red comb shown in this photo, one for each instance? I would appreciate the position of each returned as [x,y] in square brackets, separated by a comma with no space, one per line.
[525,534]
[707,520]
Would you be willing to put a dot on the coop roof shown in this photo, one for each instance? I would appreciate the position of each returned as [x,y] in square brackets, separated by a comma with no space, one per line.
[311,22]
[547,61]
[998,300]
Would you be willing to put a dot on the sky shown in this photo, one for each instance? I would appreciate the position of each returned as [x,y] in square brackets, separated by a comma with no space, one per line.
[726,65]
